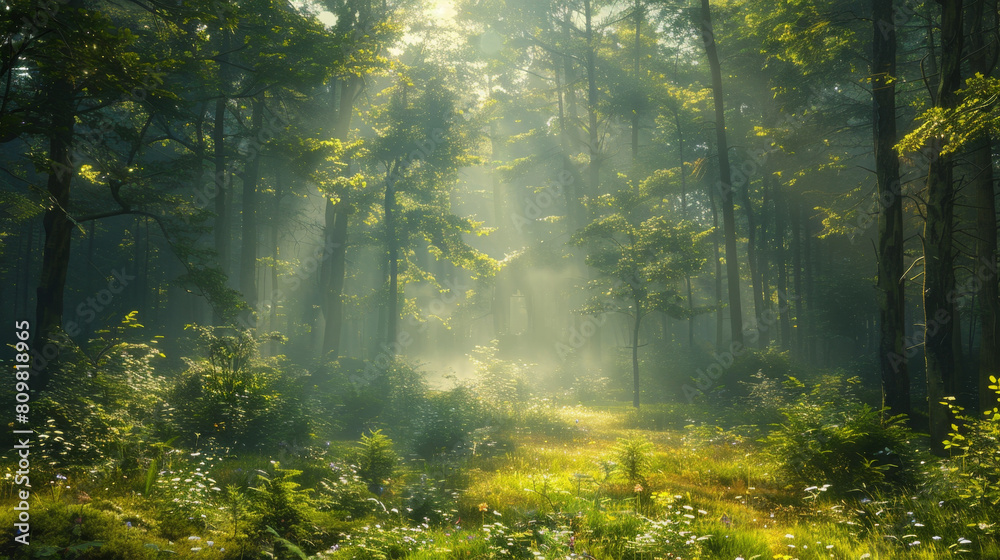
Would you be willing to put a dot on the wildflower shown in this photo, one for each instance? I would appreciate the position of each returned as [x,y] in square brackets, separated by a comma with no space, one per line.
[61,477]
[128,524]
[638,488]
[484,507]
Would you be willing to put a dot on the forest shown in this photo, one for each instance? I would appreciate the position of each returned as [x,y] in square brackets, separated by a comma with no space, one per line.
[490,279]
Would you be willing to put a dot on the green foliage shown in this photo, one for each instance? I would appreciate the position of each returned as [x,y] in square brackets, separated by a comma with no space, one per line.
[976,460]
[234,398]
[502,385]
[376,460]
[281,507]
[842,443]
[446,422]
[115,399]
[633,458]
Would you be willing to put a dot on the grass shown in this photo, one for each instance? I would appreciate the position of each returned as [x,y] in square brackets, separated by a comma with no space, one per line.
[706,493]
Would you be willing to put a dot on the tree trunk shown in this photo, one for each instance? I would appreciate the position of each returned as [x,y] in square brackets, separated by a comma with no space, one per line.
[889,284]
[594,166]
[687,277]
[718,269]
[638,14]
[392,262]
[780,260]
[765,319]
[635,352]
[986,219]
[221,229]
[796,243]
[337,216]
[939,273]
[57,225]
[755,277]
[725,179]
[248,246]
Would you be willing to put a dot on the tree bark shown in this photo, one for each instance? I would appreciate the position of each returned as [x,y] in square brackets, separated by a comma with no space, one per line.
[392,262]
[593,148]
[56,222]
[889,283]
[984,61]
[725,178]
[248,246]
[939,273]
[755,276]
[635,352]
[796,244]
[780,260]
[337,217]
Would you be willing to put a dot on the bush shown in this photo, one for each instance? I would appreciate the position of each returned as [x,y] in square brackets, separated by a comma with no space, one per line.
[376,460]
[633,457]
[116,400]
[235,398]
[847,445]
[977,462]
[446,423]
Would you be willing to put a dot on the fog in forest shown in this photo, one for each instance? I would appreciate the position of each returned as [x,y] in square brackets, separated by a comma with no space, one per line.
[482,279]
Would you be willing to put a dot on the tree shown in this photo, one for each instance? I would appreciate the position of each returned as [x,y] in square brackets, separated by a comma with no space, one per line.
[939,272]
[891,290]
[640,256]
[725,185]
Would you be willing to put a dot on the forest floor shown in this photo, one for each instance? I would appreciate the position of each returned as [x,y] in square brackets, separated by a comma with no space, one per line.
[587,483]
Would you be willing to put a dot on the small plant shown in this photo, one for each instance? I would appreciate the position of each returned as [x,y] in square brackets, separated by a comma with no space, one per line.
[376,460]
[633,456]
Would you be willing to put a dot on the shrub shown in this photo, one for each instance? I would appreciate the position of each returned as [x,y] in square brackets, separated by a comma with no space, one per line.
[848,445]
[633,457]
[376,460]
[977,461]
[446,423]
[235,398]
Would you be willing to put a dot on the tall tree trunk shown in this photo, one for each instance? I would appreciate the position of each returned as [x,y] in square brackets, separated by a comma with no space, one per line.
[221,229]
[593,148]
[781,261]
[334,269]
[718,268]
[392,262]
[725,178]
[248,246]
[983,61]
[638,13]
[755,278]
[637,322]
[808,273]
[796,243]
[891,289]
[763,267]
[684,214]
[939,272]
[56,222]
